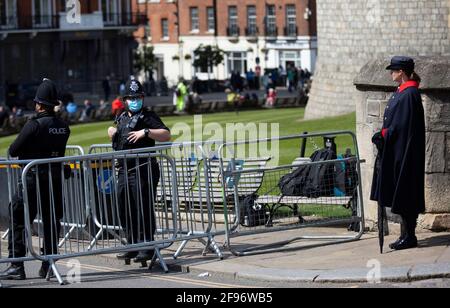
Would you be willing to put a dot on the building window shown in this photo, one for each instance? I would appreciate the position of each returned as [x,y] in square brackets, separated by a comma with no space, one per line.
[110,12]
[8,13]
[251,20]
[62,5]
[194,19]
[233,29]
[42,13]
[271,21]
[148,30]
[165,28]
[211,19]
[237,62]
[291,20]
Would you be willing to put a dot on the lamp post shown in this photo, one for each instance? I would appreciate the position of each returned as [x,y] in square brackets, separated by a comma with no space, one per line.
[180,42]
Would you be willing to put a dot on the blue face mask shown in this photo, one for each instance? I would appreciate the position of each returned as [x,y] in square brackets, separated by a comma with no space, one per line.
[135,105]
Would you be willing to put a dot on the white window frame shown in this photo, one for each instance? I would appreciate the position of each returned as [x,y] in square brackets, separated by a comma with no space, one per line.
[113,9]
[10,15]
[211,19]
[252,22]
[233,57]
[46,18]
[165,37]
[286,56]
[233,21]
[291,18]
[194,20]
[271,20]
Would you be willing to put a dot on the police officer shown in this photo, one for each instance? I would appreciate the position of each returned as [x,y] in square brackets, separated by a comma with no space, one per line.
[44,136]
[137,127]
[399,177]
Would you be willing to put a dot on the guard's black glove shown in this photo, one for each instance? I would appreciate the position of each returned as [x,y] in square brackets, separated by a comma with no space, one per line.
[378,140]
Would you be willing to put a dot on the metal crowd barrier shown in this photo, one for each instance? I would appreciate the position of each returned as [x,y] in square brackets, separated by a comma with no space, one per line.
[195,218]
[148,199]
[69,223]
[330,194]
[13,253]
[126,216]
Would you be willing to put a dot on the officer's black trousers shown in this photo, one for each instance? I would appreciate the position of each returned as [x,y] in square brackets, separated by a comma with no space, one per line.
[47,205]
[409,225]
[137,192]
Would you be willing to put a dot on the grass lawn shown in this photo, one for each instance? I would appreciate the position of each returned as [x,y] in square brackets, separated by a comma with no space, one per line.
[290,122]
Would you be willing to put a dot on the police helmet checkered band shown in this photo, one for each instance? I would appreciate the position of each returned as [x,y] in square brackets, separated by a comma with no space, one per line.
[134,86]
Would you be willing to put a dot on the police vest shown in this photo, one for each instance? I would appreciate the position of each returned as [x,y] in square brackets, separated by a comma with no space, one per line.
[51,139]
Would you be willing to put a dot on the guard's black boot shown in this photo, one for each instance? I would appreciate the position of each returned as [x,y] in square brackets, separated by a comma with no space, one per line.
[45,268]
[127,255]
[14,272]
[410,240]
[402,236]
[144,256]
[407,243]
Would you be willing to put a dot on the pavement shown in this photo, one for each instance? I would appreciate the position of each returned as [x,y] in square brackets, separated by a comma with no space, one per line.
[303,263]
[325,262]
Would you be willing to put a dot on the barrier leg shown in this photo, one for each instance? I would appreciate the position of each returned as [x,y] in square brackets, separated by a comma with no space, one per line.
[216,248]
[5,235]
[66,237]
[181,248]
[55,272]
[95,240]
[162,263]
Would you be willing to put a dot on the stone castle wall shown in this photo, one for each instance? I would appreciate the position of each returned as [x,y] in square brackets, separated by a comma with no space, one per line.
[351,32]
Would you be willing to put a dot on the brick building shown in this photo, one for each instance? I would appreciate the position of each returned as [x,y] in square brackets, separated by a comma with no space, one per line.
[275,32]
[37,40]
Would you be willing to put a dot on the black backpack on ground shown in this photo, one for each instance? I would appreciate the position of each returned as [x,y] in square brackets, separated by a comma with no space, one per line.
[252,214]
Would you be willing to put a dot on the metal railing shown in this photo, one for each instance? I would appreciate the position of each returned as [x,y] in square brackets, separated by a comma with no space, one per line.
[149,199]
[260,205]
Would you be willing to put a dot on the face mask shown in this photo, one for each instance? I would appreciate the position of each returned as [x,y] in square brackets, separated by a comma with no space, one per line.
[135,105]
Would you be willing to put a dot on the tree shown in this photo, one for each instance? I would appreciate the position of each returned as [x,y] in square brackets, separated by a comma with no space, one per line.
[144,60]
[208,57]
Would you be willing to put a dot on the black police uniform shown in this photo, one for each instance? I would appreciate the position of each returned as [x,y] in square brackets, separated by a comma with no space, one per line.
[137,184]
[44,136]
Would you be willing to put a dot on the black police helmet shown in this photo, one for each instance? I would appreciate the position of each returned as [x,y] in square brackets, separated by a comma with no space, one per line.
[134,89]
[405,64]
[47,94]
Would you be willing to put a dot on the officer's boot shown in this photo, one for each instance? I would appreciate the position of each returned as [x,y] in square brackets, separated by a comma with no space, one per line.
[46,270]
[402,234]
[15,272]
[144,256]
[127,255]
[410,240]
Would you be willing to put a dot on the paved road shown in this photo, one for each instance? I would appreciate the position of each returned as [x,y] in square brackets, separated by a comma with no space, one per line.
[101,272]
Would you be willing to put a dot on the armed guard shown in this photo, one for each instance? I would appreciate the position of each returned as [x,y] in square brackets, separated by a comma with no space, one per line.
[44,136]
[137,127]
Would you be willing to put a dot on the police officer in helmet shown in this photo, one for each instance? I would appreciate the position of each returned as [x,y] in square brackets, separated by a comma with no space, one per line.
[137,127]
[44,136]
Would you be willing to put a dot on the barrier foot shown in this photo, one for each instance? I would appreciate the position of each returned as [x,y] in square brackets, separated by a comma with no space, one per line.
[66,237]
[5,235]
[94,241]
[162,263]
[216,248]
[55,272]
[181,248]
